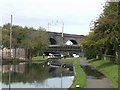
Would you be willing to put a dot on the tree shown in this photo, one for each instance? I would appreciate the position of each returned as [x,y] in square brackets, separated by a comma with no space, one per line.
[106,29]
[36,41]
[30,38]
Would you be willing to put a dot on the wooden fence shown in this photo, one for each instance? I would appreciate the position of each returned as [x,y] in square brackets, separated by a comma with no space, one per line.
[106,57]
[18,53]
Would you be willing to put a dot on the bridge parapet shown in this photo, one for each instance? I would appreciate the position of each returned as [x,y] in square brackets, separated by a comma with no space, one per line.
[64,48]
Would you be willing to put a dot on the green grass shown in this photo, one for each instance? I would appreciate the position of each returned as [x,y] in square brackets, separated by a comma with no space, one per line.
[109,69]
[39,58]
[80,76]
[38,62]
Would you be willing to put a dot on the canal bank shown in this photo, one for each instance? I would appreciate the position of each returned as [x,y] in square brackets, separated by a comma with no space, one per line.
[109,69]
[101,82]
[80,76]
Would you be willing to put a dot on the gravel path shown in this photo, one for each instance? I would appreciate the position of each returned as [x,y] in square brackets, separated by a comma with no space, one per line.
[96,83]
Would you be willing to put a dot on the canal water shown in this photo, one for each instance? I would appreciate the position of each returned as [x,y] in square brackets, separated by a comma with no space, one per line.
[35,75]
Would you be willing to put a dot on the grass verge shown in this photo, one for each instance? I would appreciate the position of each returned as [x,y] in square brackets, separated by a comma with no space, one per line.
[80,76]
[39,58]
[109,69]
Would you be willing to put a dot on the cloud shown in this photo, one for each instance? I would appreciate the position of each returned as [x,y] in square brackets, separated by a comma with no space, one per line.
[39,12]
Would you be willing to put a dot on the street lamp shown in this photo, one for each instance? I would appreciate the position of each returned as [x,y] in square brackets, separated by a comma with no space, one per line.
[55,23]
[62,26]
[10,35]
[62,35]
[50,23]
[10,53]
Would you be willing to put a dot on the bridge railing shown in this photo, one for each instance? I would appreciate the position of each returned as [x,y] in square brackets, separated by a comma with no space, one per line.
[65,48]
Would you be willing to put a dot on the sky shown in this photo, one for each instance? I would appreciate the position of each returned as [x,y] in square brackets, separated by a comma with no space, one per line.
[75,14]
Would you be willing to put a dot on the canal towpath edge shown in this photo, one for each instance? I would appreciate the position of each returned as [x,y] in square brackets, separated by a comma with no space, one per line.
[95,83]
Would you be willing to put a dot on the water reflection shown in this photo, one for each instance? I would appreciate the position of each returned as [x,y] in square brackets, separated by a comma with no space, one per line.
[35,75]
[18,68]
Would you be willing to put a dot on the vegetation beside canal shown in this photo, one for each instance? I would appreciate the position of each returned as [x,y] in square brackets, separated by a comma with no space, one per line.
[109,69]
[80,76]
[39,58]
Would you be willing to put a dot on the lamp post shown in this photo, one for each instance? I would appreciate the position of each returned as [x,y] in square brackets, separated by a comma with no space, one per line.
[62,23]
[48,25]
[10,35]
[10,52]
[62,26]
[62,34]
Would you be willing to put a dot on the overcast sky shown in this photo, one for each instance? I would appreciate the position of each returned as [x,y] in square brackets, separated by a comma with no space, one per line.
[76,14]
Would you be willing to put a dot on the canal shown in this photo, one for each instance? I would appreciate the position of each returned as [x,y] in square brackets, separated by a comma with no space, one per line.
[35,75]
